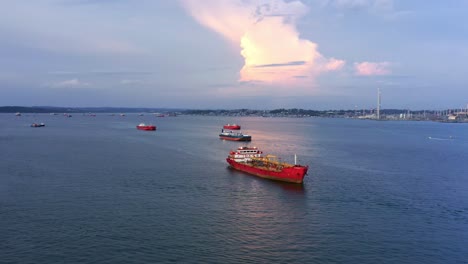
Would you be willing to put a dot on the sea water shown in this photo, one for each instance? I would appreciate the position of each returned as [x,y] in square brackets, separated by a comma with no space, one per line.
[97,190]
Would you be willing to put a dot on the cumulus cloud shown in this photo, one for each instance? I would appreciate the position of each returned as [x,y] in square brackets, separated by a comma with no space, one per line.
[334,64]
[372,68]
[269,41]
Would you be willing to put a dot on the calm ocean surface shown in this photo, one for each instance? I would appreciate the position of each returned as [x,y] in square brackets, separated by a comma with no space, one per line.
[96,190]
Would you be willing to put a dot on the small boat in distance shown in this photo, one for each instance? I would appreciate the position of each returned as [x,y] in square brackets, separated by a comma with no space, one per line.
[252,161]
[143,126]
[232,127]
[37,125]
[234,136]
[18,114]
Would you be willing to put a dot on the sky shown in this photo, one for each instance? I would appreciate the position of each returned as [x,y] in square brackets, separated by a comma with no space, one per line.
[231,54]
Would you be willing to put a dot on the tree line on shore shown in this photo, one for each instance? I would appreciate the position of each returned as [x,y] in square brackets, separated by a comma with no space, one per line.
[232,112]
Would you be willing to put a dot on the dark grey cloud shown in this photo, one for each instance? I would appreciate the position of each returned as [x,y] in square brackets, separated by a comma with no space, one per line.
[291,63]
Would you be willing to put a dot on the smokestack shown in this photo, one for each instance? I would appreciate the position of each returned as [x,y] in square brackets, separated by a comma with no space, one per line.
[378,103]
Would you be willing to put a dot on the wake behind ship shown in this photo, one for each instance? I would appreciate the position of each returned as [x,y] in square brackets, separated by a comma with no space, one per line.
[252,161]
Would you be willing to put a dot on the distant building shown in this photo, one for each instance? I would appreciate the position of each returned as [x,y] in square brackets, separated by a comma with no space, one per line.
[452,117]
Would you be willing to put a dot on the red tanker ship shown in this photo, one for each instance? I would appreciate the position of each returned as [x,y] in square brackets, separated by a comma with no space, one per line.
[232,127]
[252,161]
[142,126]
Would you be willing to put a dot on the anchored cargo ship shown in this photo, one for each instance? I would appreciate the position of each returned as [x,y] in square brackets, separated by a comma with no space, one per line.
[252,161]
[37,125]
[232,127]
[142,126]
[234,136]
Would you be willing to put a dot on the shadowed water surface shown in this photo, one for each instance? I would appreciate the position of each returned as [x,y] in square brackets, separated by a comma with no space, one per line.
[96,190]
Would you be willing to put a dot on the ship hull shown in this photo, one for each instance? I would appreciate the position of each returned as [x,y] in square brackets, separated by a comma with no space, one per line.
[232,127]
[293,174]
[242,138]
[147,128]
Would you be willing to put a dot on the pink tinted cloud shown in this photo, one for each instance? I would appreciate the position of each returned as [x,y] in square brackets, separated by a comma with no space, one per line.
[334,64]
[265,32]
[372,68]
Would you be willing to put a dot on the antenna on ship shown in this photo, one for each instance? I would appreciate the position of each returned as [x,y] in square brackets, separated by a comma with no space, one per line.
[295,159]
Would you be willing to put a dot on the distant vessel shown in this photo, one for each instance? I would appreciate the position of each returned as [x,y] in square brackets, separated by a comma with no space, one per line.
[142,126]
[159,115]
[252,161]
[435,138]
[37,125]
[232,126]
[18,114]
[234,136]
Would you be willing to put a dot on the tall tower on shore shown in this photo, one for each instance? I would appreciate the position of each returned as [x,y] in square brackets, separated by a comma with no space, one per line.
[378,103]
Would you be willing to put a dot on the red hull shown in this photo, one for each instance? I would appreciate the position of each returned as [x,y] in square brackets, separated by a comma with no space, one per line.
[293,174]
[232,127]
[147,128]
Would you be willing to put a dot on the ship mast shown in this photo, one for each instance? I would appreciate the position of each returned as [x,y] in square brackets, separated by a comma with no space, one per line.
[295,159]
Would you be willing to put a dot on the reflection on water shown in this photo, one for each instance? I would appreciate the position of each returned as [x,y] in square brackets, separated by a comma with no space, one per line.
[291,187]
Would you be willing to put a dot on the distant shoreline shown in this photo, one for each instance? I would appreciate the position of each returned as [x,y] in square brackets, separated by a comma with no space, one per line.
[446,116]
[53,109]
